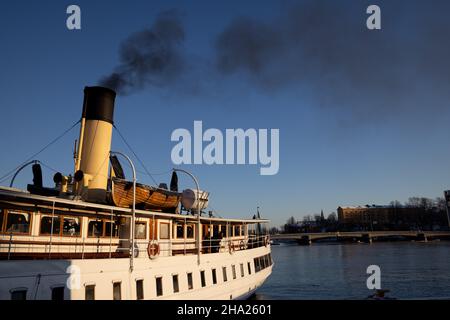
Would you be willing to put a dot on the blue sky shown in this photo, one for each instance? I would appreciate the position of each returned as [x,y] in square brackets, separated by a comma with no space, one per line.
[363,125]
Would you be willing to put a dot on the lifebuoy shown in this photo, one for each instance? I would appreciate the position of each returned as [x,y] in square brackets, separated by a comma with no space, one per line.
[153,250]
[231,247]
[242,245]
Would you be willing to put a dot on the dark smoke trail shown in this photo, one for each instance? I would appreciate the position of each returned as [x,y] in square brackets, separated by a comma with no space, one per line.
[149,57]
[324,46]
[321,47]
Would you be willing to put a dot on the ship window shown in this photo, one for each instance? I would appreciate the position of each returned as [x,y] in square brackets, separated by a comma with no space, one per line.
[89,292]
[58,293]
[223,231]
[256,261]
[1,219]
[112,229]
[202,277]
[95,228]
[140,289]
[230,231]
[206,231]
[46,225]
[214,276]
[249,268]
[189,231]
[236,231]
[176,287]
[224,271]
[117,291]
[215,231]
[19,294]
[159,287]
[71,226]
[190,282]
[164,231]
[141,230]
[233,270]
[18,222]
[242,270]
[180,231]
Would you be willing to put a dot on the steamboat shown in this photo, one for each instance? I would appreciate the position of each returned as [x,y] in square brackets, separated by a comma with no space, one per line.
[99,235]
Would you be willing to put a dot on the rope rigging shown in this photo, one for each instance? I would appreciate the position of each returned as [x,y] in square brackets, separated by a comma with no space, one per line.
[135,155]
[9,173]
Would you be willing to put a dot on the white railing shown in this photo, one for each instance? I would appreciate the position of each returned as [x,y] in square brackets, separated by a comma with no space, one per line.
[18,246]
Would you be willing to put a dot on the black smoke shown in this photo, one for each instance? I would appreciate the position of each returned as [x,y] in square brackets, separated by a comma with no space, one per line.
[325,47]
[151,57]
[319,46]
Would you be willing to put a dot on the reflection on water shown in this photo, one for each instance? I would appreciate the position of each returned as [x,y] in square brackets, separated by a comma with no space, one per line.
[410,270]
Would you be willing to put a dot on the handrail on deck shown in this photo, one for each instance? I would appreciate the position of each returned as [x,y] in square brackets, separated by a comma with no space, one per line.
[15,247]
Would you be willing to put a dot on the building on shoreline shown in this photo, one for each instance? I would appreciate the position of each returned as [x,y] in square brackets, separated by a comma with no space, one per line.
[392,217]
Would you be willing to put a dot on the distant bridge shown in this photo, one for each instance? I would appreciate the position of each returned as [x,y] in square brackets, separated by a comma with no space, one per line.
[363,236]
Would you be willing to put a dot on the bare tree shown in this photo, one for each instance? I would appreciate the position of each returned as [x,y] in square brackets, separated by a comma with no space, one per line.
[395,204]
[317,218]
[332,218]
[413,202]
[440,203]
[291,220]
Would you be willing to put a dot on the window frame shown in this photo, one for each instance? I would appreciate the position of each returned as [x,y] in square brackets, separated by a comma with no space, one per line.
[80,232]
[88,287]
[190,280]
[5,221]
[186,231]
[230,231]
[58,288]
[18,290]
[52,217]
[88,229]
[175,283]
[117,284]
[2,215]
[214,275]
[159,286]
[113,222]
[104,221]
[145,230]
[176,226]
[257,264]
[168,230]
[202,278]
[140,289]
[237,227]
[61,218]
[224,273]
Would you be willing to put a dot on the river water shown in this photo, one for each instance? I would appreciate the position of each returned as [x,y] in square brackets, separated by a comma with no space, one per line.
[410,270]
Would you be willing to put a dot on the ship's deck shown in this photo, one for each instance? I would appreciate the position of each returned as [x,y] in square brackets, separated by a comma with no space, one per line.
[41,227]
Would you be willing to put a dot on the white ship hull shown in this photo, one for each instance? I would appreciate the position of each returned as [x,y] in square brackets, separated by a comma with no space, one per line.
[39,277]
